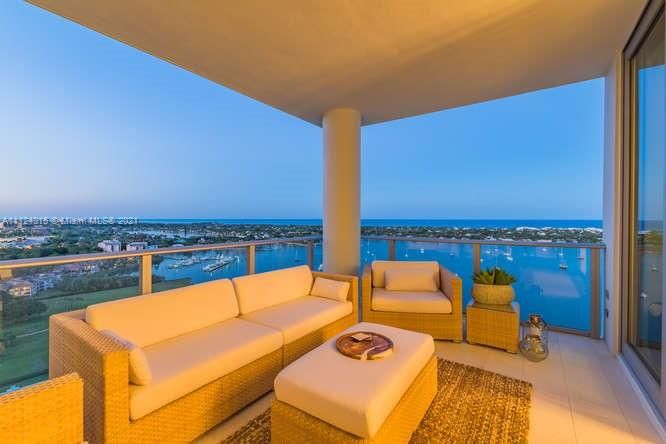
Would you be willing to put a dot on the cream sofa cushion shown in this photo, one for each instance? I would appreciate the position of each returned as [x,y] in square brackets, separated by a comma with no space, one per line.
[410,301]
[417,279]
[139,370]
[331,289]
[379,269]
[183,364]
[299,317]
[261,290]
[355,396]
[146,320]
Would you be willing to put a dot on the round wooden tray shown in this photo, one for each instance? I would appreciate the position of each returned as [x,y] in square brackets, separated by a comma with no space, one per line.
[376,347]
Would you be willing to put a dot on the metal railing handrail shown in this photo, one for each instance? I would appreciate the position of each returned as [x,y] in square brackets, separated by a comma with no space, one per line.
[511,243]
[89,257]
[77,258]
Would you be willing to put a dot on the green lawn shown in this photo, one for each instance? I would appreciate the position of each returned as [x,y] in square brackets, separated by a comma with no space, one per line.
[29,355]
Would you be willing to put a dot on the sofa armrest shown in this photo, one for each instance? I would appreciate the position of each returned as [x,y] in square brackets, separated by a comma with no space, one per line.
[451,286]
[352,295]
[50,411]
[103,365]
[367,291]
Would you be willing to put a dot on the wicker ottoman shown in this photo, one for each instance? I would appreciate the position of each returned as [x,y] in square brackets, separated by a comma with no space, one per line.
[326,397]
[493,325]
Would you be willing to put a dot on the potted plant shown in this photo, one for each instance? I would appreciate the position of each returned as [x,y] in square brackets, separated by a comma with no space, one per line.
[493,286]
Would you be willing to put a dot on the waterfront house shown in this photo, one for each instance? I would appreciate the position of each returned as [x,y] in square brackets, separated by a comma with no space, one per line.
[341,65]
[19,288]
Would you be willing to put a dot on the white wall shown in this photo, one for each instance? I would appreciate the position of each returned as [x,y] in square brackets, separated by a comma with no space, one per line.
[612,201]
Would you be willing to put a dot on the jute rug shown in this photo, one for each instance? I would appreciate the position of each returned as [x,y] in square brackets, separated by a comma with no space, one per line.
[471,406]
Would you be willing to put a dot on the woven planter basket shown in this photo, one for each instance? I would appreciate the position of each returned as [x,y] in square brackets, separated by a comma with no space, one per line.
[493,294]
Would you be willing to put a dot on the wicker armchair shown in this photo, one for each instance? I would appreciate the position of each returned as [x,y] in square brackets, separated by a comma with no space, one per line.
[47,412]
[438,325]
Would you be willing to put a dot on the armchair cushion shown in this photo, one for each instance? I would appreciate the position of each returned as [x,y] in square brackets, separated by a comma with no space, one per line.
[410,301]
[379,269]
[417,279]
[331,289]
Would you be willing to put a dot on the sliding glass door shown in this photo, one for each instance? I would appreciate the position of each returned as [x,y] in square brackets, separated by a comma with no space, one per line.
[643,302]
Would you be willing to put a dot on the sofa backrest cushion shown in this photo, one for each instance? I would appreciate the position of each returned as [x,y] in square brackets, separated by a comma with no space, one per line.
[379,269]
[262,290]
[149,319]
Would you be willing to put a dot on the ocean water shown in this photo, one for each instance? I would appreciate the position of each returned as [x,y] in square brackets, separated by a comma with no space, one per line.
[469,223]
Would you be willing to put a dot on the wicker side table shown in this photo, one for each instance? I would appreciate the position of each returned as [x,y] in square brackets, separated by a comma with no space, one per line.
[493,325]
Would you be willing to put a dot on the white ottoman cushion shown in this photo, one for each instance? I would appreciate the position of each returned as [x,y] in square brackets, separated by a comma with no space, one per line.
[355,396]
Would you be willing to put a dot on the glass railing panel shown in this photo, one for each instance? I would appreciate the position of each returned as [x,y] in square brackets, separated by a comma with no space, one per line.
[372,249]
[283,255]
[318,256]
[31,295]
[456,257]
[182,269]
[551,281]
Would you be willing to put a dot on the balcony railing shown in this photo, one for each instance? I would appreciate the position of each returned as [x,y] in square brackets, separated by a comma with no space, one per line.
[562,281]
[49,285]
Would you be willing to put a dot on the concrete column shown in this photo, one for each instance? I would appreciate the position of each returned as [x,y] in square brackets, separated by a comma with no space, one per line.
[342,191]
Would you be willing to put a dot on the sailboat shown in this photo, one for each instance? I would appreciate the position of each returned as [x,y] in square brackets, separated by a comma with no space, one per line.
[563,263]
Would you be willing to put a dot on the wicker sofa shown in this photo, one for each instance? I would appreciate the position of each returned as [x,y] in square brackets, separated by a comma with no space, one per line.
[213,348]
[46,412]
[437,313]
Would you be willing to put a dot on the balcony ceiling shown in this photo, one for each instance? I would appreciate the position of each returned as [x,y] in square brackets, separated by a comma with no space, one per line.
[389,59]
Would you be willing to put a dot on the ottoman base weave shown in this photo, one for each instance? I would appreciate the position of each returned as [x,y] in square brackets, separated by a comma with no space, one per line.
[289,424]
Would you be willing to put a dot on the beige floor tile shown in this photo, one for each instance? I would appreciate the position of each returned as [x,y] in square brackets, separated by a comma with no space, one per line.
[462,352]
[630,404]
[594,423]
[643,431]
[589,385]
[581,356]
[504,363]
[547,375]
[550,419]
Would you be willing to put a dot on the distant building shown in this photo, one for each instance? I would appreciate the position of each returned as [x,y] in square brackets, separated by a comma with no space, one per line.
[19,288]
[42,282]
[137,246]
[110,246]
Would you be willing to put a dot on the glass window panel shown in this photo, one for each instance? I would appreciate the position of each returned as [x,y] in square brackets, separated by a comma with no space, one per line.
[647,293]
